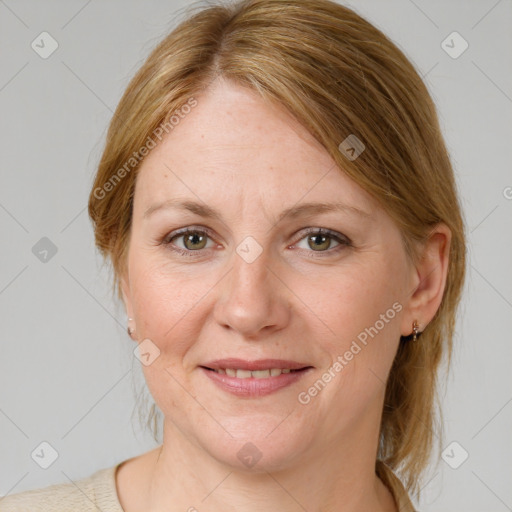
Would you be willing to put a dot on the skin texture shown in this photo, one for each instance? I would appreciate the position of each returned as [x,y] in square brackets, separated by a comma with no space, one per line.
[250,161]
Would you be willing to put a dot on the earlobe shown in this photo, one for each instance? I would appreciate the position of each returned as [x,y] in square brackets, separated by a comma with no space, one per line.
[431,272]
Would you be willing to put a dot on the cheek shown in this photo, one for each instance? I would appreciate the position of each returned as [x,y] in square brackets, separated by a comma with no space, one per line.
[362,307]
[356,298]
[166,306]
[164,301]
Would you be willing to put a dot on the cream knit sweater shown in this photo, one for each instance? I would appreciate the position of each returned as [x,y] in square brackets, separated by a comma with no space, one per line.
[93,493]
[98,493]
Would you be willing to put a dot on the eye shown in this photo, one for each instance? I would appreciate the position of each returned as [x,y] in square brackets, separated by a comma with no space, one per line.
[192,239]
[319,240]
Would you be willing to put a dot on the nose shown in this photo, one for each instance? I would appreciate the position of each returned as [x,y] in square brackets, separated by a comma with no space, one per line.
[253,300]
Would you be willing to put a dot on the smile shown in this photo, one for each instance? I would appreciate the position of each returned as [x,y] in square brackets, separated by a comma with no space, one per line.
[247,374]
[254,379]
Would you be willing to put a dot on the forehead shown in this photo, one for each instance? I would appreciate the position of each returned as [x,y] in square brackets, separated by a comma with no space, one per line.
[234,143]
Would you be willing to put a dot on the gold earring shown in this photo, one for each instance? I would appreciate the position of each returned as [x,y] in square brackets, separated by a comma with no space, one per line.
[415,328]
[129,329]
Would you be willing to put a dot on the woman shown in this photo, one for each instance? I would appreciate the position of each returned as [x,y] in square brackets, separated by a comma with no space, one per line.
[280,211]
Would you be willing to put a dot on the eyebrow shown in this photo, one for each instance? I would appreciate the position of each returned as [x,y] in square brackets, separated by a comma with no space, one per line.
[303,209]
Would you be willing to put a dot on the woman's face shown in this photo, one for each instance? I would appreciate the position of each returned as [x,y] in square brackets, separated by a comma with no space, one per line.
[252,284]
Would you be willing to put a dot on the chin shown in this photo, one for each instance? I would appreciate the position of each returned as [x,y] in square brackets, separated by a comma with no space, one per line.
[258,450]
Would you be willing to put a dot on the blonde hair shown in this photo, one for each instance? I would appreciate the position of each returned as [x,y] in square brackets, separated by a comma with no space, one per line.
[338,75]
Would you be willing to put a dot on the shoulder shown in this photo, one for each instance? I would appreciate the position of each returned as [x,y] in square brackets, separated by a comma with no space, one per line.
[97,491]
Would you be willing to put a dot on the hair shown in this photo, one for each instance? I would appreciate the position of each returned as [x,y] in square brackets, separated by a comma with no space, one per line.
[338,75]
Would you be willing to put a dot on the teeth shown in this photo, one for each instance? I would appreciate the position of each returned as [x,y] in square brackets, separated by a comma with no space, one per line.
[261,374]
[257,374]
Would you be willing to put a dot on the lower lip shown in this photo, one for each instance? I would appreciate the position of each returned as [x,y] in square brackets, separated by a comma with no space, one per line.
[252,387]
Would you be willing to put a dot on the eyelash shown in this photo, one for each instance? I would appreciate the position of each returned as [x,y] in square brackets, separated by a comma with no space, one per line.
[341,239]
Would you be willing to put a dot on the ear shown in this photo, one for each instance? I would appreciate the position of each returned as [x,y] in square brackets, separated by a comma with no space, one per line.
[429,280]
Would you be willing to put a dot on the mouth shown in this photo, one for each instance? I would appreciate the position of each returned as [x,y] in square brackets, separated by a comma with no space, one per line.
[254,378]
[239,373]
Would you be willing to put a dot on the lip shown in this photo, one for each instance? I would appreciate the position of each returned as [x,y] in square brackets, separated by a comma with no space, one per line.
[252,387]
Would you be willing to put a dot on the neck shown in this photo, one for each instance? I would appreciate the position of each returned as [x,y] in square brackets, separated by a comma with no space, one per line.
[337,478]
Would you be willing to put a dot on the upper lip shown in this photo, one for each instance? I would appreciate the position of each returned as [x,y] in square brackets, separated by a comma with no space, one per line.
[259,364]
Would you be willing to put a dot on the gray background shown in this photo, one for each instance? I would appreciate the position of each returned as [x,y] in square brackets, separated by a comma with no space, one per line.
[67,371]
